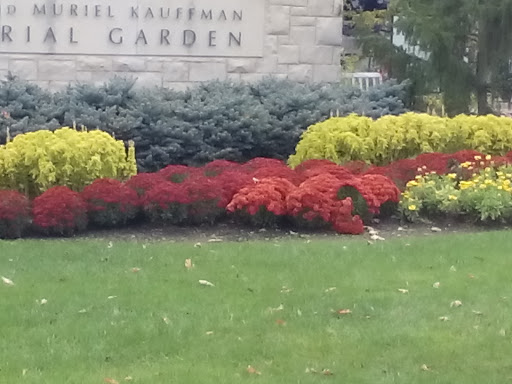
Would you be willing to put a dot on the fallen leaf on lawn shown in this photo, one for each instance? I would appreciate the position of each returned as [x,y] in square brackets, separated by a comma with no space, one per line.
[198,245]
[377,238]
[189,264]
[453,269]
[206,283]
[327,372]
[370,242]
[82,311]
[343,311]
[112,297]
[43,301]
[280,322]
[215,240]
[166,320]
[111,381]
[251,370]
[311,370]
[286,290]
[471,276]
[330,289]
[277,309]
[401,290]
[502,332]
[436,284]
[128,378]
[299,312]
[144,246]
[444,318]
[456,304]
[209,333]
[24,372]
[478,313]
[110,244]
[7,281]
[135,270]
[424,367]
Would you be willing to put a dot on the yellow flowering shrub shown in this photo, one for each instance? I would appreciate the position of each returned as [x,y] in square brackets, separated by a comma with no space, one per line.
[36,161]
[484,196]
[390,138]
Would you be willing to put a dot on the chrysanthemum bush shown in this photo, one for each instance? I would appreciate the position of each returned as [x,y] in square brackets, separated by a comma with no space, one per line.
[478,190]
[110,203]
[59,211]
[14,214]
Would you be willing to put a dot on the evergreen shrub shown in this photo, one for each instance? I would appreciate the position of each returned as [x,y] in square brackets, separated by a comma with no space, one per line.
[215,120]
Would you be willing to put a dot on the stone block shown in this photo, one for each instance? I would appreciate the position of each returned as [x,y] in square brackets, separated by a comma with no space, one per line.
[241,65]
[56,70]
[316,54]
[207,71]
[278,20]
[175,71]
[293,3]
[321,8]
[4,63]
[267,65]
[252,77]
[154,64]
[84,77]
[303,21]
[329,31]
[302,73]
[128,64]
[148,79]
[299,11]
[24,69]
[288,54]
[93,63]
[327,73]
[271,45]
[302,36]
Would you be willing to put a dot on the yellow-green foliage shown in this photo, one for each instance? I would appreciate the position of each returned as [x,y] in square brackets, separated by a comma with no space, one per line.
[36,161]
[391,138]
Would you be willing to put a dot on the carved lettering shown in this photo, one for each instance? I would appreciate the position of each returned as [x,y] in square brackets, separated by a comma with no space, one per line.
[149,14]
[212,36]
[179,11]
[191,12]
[28,34]
[114,40]
[56,12]
[237,15]
[164,37]
[206,15]
[189,38]
[72,36]
[223,16]
[50,36]
[97,10]
[162,13]
[236,40]
[73,10]
[6,33]
[141,36]
[11,9]
[39,11]
[135,12]
[109,8]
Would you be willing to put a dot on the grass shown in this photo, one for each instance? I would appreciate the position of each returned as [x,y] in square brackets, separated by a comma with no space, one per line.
[157,328]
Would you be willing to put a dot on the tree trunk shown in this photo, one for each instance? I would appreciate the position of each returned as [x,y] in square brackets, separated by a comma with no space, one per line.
[483,72]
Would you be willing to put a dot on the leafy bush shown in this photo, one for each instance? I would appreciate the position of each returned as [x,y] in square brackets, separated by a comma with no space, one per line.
[14,214]
[59,211]
[37,161]
[481,195]
[167,202]
[216,120]
[110,203]
[392,138]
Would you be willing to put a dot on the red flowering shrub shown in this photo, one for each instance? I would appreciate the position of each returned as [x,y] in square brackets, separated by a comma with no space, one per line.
[314,163]
[143,182]
[14,214]
[206,199]
[110,203]
[167,202]
[177,173]
[217,167]
[263,201]
[59,211]
[382,188]
[316,202]
[261,162]
[229,183]
[282,171]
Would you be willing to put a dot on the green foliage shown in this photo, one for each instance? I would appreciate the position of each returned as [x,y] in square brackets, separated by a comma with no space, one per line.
[393,138]
[216,120]
[36,161]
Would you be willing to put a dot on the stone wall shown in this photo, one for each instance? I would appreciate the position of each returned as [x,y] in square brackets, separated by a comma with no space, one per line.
[302,42]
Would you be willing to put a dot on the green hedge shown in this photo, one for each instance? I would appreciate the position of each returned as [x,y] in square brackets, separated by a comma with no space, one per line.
[215,120]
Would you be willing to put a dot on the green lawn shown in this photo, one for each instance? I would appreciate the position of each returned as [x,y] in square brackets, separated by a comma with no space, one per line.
[159,325]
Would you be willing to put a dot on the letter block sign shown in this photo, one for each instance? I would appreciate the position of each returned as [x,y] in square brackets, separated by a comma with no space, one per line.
[221,28]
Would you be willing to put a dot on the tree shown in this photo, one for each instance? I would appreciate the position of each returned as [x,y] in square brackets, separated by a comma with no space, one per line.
[467,42]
